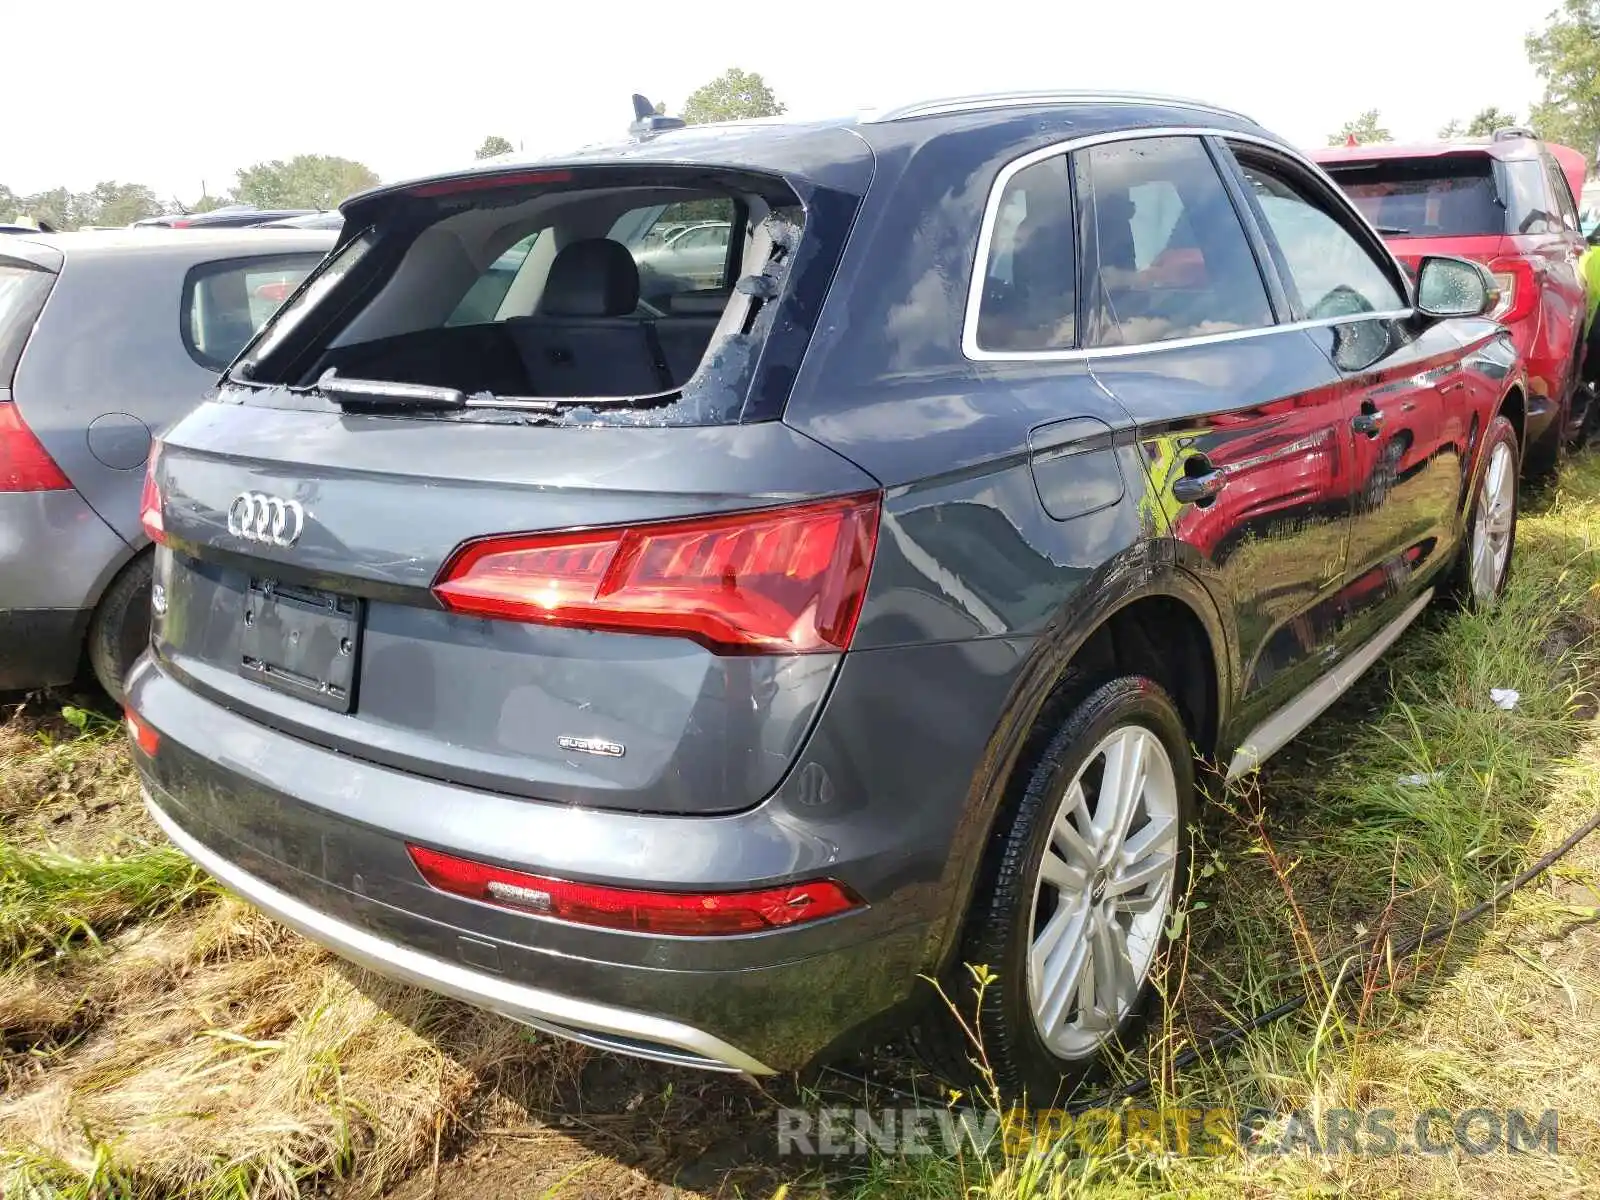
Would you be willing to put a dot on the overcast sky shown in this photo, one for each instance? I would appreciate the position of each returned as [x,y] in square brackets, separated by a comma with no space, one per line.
[171,96]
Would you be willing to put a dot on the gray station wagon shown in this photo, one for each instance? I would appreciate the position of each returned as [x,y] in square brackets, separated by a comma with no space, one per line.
[105,339]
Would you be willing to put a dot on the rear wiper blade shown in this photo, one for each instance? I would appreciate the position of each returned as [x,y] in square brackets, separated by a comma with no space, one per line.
[380,393]
[1391,230]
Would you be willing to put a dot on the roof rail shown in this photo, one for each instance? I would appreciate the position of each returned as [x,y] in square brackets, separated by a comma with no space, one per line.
[978,103]
[1511,133]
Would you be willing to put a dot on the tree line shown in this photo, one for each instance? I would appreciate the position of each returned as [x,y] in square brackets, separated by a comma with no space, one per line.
[304,181]
[1565,55]
[321,181]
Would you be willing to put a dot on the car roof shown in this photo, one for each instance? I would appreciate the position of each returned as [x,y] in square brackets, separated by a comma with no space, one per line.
[198,244]
[822,148]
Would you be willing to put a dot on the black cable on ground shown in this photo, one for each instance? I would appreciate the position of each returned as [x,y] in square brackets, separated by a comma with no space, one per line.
[1379,953]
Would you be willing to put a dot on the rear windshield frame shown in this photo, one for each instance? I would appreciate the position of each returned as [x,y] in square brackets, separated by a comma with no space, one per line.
[396,220]
[1424,169]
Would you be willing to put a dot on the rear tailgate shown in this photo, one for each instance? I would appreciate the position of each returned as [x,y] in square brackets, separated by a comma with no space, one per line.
[373,507]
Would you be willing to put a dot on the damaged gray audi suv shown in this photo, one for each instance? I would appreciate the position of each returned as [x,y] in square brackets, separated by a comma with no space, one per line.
[694,670]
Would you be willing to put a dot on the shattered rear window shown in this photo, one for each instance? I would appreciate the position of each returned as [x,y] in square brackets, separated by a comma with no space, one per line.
[641,304]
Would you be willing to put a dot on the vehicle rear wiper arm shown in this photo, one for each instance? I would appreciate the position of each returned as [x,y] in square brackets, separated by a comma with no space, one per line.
[1391,230]
[381,393]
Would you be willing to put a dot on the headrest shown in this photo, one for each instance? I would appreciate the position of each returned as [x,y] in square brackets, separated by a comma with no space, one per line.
[595,277]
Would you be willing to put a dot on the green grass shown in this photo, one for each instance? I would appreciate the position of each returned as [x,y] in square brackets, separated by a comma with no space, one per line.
[50,901]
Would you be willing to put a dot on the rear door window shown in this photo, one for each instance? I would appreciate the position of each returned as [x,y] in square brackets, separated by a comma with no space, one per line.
[482,302]
[1450,195]
[224,303]
[1167,256]
[23,288]
[678,247]
[1561,193]
[1530,208]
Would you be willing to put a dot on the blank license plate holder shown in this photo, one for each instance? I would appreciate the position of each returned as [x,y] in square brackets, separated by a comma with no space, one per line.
[301,641]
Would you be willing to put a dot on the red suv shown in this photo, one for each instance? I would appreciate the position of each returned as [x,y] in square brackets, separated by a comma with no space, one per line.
[1506,201]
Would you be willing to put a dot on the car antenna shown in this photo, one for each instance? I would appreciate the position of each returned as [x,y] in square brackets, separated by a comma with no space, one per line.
[647,122]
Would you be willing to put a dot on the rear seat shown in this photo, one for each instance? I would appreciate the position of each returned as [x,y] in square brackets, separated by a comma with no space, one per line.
[686,330]
[585,339]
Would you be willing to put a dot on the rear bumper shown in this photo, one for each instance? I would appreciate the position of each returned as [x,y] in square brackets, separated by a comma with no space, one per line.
[56,556]
[318,839]
[40,647]
[596,1024]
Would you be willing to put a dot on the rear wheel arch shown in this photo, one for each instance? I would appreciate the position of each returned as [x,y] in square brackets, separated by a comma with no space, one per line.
[124,596]
[1514,407]
[1168,631]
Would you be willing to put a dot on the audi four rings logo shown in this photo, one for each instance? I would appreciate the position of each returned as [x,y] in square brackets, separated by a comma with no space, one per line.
[258,517]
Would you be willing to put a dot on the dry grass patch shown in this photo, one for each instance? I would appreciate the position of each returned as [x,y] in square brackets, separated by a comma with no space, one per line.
[238,1059]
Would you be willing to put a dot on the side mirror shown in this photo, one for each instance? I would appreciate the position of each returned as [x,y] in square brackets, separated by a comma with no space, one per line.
[1454,287]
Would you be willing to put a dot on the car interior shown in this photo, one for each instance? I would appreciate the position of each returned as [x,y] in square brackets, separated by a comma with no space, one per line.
[547,297]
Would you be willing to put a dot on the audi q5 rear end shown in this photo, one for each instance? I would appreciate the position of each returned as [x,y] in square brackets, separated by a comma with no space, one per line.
[691,664]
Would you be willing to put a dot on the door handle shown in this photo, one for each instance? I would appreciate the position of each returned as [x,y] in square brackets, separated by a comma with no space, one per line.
[1198,489]
[1369,421]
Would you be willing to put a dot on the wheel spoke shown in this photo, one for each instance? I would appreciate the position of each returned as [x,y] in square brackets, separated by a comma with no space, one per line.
[1066,835]
[1069,878]
[1146,857]
[1114,980]
[1058,958]
[1120,789]
[1497,470]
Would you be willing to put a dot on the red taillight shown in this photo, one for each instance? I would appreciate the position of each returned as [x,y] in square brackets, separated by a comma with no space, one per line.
[1518,295]
[144,737]
[150,501]
[782,580]
[685,913]
[25,465]
[179,224]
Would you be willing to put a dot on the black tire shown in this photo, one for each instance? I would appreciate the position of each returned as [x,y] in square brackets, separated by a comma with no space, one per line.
[120,628]
[999,922]
[1461,590]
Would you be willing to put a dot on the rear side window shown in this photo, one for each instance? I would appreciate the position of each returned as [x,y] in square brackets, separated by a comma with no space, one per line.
[678,247]
[482,302]
[1334,274]
[224,303]
[1445,196]
[23,288]
[1562,194]
[1167,255]
[1030,296]
[1530,208]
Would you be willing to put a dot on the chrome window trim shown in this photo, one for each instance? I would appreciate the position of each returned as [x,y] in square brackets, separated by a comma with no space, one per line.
[983,101]
[991,213]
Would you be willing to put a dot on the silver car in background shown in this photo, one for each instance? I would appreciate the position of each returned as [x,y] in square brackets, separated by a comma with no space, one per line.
[106,339]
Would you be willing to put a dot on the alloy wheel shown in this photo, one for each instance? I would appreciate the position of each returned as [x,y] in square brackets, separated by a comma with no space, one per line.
[1104,888]
[1492,528]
